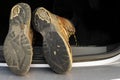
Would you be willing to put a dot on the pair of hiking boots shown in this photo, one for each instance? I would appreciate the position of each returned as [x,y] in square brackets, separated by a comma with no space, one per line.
[55,30]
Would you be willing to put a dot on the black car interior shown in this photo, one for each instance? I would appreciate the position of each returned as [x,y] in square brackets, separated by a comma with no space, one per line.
[96,21]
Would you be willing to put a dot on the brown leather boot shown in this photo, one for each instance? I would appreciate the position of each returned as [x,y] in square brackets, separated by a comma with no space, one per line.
[56,32]
[18,43]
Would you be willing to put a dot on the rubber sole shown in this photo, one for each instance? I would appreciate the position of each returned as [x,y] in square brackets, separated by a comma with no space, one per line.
[56,50]
[17,46]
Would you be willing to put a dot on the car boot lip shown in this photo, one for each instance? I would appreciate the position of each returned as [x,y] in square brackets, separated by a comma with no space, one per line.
[111,60]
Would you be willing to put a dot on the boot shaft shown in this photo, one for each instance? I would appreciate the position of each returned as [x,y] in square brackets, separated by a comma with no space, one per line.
[67,25]
[64,26]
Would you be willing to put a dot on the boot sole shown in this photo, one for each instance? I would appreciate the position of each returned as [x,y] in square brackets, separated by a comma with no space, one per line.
[17,47]
[56,50]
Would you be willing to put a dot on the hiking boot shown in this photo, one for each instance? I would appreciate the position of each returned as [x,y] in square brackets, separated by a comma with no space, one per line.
[56,32]
[18,43]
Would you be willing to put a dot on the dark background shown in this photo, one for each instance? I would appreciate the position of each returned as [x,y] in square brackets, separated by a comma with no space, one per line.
[96,21]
